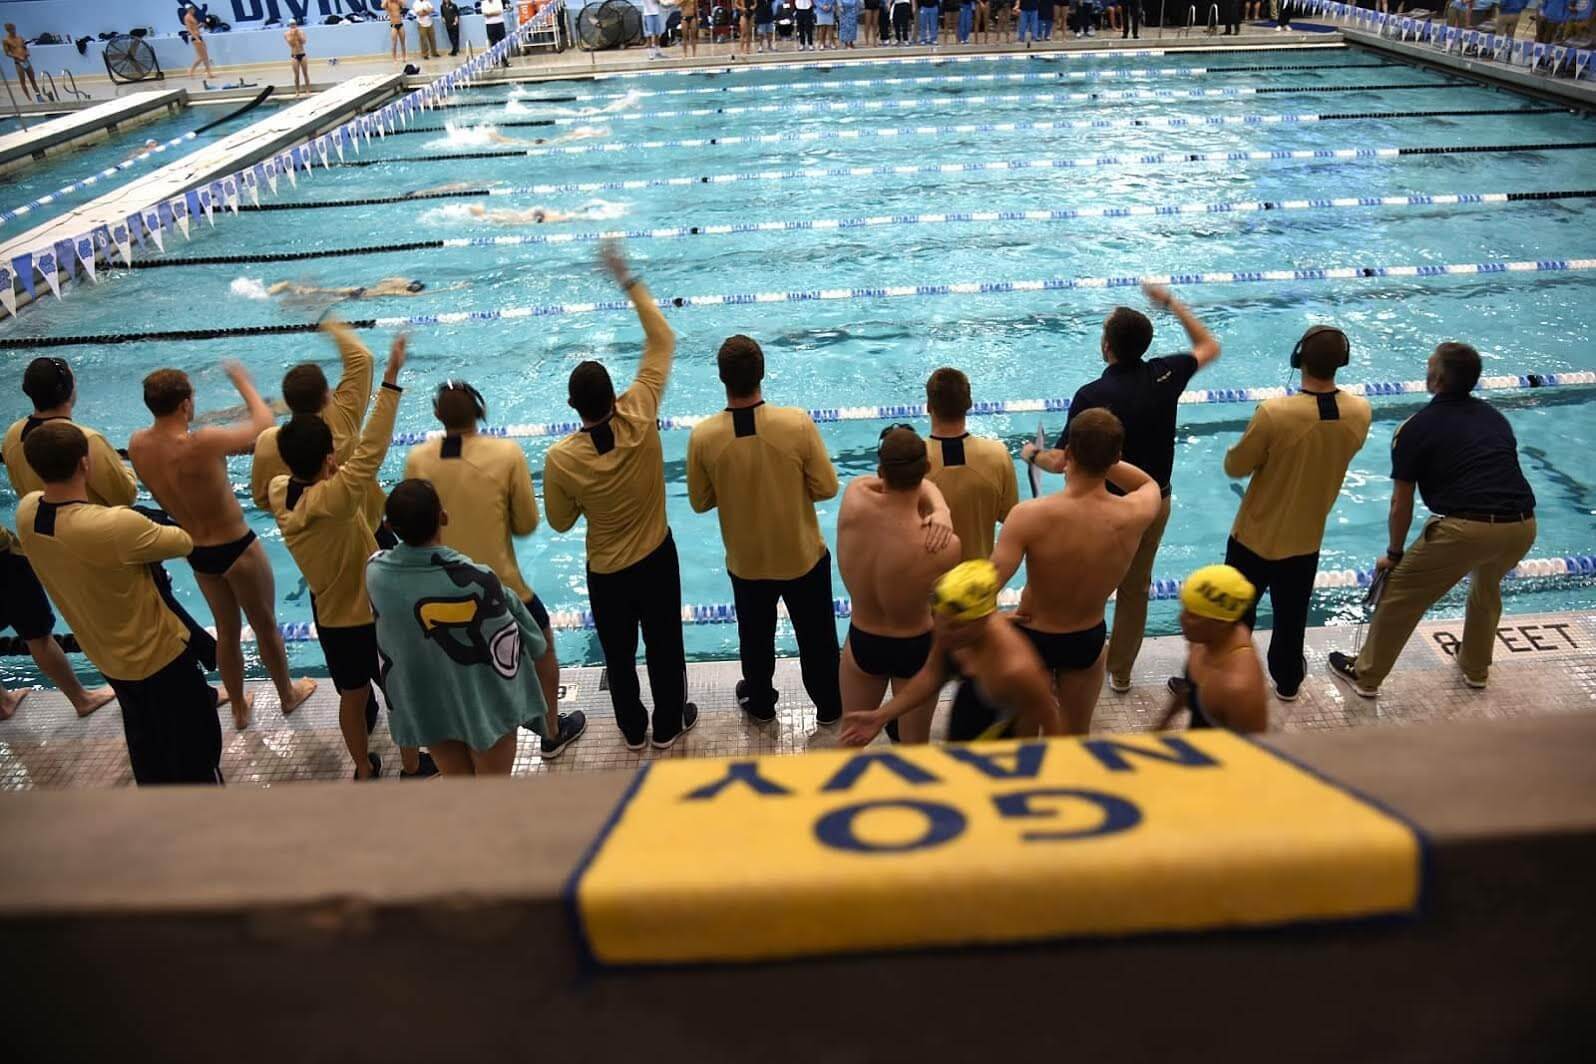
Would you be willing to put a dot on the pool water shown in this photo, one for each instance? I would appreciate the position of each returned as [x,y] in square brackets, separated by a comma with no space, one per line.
[879,351]
[62,168]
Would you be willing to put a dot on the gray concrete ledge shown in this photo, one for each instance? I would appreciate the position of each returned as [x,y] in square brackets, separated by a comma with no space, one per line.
[411,922]
[1578,94]
[24,146]
[257,141]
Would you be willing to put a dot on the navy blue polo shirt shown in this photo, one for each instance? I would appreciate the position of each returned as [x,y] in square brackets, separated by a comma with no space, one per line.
[1144,395]
[1462,454]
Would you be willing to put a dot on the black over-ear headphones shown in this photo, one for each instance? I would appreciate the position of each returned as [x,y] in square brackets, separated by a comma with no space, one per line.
[1319,330]
[453,385]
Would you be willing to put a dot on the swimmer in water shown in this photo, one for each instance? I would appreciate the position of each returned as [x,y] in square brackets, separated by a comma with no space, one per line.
[239,412]
[534,216]
[388,286]
[579,133]
[452,186]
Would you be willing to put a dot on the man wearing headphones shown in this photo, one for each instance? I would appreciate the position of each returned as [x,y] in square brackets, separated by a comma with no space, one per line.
[1296,450]
[486,481]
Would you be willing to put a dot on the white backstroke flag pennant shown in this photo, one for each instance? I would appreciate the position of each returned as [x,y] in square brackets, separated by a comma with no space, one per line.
[8,297]
[152,225]
[46,264]
[85,249]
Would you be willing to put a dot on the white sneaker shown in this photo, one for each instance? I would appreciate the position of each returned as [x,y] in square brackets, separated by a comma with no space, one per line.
[1091,32]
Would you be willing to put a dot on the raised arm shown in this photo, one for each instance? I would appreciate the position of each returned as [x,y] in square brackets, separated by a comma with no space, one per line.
[1204,347]
[1140,490]
[659,342]
[348,487]
[240,436]
[350,400]
[935,517]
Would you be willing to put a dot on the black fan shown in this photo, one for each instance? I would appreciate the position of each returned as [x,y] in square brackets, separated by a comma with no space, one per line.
[608,24]
[129,59]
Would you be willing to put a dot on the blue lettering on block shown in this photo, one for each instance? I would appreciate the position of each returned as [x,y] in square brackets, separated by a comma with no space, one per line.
[942,824]
[744,772]
[849,773]
[1112,754]
[1023,762]
[1117,813]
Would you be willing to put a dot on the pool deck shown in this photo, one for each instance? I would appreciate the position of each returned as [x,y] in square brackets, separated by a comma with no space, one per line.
[40,138]
[1544,664]
[290,125]
[1580,94]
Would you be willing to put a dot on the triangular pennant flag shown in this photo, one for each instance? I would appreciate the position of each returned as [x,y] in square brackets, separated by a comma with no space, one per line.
[208,205]
[85,249]
[8,298]
[230,191]
[133,228]
[152,223]
[270,170]
[321,149]
[338,143]
[288,168]
[23,265]
[45,262]
[124,246]
[180,214]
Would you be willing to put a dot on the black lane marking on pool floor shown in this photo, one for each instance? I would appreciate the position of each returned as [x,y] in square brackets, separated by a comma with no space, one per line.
[425,245]
[1191,157]
[1130,123]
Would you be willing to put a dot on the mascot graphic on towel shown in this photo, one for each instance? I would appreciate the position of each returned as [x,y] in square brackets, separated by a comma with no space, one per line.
[455,623]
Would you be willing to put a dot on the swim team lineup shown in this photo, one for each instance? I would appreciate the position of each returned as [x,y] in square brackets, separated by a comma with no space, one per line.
[422,607]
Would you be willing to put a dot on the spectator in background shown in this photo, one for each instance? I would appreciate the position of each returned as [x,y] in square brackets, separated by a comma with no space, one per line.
[196,37]
[826,23]
[930,11]
[449,11]
[1130,11]
[295,36]
[320,511]
[902,17]
[1285,10]
[1508,12]
[848,22]
[654,27]
[1026,29]
[457,651]
[894,539]
[17,49]
[975,475]
[1296,450]
[485,480]
[689,10]
[1044,19]
[764,24]
[1223,684]
[804,24]
[492,12]
[1145,395]
[95,562]
[1461,454]
[764,468]
[612,471]
[428,35]
[396,29]
[1552,19]
[966,20]
[1230,17]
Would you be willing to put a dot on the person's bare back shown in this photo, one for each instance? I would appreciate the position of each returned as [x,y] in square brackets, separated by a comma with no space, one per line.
[1077,550]
[884,561]
[187,474]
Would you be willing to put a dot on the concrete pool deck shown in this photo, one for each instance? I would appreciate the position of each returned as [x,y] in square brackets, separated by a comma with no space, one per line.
[1545,664]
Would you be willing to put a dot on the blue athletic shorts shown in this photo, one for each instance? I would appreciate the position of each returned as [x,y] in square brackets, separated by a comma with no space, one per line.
[653,25]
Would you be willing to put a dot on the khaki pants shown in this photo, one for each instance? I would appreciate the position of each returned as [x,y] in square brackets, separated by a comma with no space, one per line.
[1447,550]
[429,41]
[1130,601]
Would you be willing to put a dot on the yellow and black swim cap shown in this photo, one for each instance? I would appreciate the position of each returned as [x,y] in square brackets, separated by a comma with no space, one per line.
[1218,592]
[967,592]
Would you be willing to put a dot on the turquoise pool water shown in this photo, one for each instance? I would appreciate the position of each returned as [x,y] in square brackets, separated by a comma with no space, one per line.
[1019,345]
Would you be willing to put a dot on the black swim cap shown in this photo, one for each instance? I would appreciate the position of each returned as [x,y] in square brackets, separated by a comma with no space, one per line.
[415,286]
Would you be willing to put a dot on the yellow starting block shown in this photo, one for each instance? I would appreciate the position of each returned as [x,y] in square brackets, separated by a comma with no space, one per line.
[907,847]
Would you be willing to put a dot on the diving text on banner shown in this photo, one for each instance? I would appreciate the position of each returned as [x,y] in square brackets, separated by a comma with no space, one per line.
[904,847]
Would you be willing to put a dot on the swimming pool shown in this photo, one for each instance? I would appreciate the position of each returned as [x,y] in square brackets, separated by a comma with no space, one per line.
[848,352]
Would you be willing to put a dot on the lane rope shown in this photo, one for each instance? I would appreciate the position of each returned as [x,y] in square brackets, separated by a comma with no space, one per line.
[879,221]
[93,179]
[1052,284]
[1053,405]
[897,133]
[1332,155]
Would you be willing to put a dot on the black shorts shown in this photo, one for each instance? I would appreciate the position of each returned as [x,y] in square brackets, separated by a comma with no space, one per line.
[883,655]
[23,603]
[1069,650]
[170,722]
[539,612]
[215,560]
[973,718]
[351,655]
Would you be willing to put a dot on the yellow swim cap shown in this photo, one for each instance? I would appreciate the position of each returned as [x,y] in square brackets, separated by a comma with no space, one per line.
[967,592]
[1217,591]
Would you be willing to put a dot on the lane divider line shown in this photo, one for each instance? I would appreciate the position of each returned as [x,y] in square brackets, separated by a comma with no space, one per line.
[1331,155]
[92,179]
[879,221]
[906,132]
[1053,405]
[1051,284]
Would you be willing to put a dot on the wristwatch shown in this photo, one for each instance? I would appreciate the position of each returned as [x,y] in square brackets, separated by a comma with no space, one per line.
[1394,555]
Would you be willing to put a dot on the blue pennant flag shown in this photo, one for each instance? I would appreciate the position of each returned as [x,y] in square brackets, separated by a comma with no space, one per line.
[23,264]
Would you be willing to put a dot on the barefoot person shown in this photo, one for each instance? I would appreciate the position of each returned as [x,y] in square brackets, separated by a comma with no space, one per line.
[186,471]
[320,510]
[96,563]
[1004,691]
[1224,684]
[26,608]
[485,480]
[894,539]
[1077,545]
[196,36]
[17,49]
[395,9]
[295,36]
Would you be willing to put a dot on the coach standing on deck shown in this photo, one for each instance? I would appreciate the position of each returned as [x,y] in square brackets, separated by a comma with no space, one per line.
[612,472]
[1296,450]
[1462,455]
[764,468]
[1144,394]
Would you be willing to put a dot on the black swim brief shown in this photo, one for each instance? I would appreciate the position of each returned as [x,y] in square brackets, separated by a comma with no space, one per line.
[884,655]
[539,612]
[973,719]
[216,559]
[1069,650]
